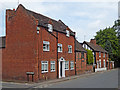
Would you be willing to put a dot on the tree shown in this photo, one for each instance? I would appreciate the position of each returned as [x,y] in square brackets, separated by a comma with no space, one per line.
[116,26]
[108,40]
[90,57]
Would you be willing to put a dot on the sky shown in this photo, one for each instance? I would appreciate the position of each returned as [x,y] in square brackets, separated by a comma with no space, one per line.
[85,17]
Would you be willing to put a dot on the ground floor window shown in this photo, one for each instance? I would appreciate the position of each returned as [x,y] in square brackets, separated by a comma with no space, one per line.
[44,66]
[104,64]
[71,65]
[100,63]
[52,66]
[66,65]
[97,64]
[82,55]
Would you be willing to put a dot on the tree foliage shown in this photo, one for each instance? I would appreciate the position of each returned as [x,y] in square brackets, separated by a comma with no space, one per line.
[108,40]
[90,57]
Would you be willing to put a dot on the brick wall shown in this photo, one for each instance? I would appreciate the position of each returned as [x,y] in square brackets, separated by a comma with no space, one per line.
[24,48]
[81,64]
[101,58]
[51,55]
[20,53]
[65,41]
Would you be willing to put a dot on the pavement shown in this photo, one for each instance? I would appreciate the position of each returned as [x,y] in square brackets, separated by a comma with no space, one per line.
[49,83]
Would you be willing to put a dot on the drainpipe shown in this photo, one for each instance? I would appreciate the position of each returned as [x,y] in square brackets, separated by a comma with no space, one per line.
[38,31]
[75,54]
[57,55]
[94,63]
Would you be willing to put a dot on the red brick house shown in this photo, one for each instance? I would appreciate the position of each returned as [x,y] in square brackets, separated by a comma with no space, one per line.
[81,59]
[100,55]
[37,45]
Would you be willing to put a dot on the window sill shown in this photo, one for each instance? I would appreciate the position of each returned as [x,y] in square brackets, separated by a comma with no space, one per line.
[72,69]
[59,51]
[44,71]
[69,52]
[46,50]
[66,69]
[53,71]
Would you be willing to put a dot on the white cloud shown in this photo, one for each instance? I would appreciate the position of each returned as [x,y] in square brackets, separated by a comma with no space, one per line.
[94,24]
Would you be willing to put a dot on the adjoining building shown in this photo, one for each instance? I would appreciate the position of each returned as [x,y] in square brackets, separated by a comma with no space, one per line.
[81,59]
[100,55]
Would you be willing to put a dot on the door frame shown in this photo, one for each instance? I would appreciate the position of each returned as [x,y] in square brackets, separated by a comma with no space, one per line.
[63,67]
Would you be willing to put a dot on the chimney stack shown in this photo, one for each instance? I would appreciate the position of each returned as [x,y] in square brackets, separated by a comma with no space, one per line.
[13,9]
[93,41]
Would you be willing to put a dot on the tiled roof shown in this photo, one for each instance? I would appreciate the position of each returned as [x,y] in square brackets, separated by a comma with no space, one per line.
[79,47]
[95,47]
[43,21]
[2,42]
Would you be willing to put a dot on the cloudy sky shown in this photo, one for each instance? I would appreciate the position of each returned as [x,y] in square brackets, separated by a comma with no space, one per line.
[83,17]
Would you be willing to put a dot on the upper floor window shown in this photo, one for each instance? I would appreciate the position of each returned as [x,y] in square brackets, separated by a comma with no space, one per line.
[59,47]
[38,29]
[52,66]
[69,49]
[44,66]
[46,46]
[99,54]
[50,28]
[67,33]
[82,54]
[71,65]
[85,46]
[66,65]
[103,54]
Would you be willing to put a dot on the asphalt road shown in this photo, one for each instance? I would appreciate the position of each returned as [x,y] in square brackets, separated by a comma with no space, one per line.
[107,79]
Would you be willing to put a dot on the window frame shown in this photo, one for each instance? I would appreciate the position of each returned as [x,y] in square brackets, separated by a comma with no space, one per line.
[67,33]
[51,68]
[69,48]
[59,45]
[104,55]
[82,55]
[104,63]
[71,63]
[67,63]
[99,54]
[47,46]
[50,27]
[100,63]
[44,63]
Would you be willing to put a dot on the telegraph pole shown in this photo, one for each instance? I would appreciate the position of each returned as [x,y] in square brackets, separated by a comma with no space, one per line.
[18,2]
